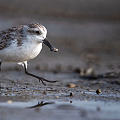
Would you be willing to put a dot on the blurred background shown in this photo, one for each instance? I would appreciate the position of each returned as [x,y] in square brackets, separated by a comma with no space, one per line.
[87,32]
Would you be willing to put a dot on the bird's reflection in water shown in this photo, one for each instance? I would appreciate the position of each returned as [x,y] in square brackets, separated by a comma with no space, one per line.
[40,104]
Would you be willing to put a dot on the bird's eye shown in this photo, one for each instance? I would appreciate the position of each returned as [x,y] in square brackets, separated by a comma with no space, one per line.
[38,32]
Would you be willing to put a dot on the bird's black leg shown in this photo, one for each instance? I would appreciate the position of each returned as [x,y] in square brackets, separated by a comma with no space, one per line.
[43,80]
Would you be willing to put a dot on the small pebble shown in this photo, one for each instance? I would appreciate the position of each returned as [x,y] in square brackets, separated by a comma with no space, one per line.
[71,94]
[57,97]
[71,85]
[9,101]
[98,91]
[90,71]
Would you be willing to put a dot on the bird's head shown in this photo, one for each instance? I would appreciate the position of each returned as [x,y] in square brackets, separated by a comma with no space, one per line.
[38,32]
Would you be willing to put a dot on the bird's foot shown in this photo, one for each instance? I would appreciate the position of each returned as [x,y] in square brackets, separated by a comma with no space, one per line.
[43,80]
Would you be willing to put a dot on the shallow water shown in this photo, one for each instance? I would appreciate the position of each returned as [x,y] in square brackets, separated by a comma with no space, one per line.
[104,110]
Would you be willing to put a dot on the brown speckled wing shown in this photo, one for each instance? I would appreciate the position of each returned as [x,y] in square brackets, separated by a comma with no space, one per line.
[8,36]
[5,39]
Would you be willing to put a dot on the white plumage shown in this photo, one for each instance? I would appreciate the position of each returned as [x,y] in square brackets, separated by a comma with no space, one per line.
[27,51]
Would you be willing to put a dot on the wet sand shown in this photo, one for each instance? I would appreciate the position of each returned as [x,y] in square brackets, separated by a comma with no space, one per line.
[19,94]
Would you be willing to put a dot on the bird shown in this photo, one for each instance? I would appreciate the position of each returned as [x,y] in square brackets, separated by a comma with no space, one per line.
[22,43]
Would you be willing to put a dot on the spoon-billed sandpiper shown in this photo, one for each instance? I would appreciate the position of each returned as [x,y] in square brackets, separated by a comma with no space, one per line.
[22,43]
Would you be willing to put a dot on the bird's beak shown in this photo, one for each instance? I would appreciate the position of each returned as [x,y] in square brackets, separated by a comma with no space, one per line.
[47,43]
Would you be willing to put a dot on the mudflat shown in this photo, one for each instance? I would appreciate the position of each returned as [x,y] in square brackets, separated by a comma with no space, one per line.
[87,68]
